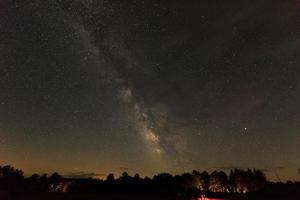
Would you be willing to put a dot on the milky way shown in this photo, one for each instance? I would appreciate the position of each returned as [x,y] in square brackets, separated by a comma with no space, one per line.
[148,86]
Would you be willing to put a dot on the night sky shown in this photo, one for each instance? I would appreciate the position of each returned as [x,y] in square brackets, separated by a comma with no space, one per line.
[89,87]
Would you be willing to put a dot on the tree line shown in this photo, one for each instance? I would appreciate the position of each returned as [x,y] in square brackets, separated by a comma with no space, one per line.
[188,184]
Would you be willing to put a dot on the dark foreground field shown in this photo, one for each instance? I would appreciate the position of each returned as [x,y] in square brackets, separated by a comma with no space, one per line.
[62,196]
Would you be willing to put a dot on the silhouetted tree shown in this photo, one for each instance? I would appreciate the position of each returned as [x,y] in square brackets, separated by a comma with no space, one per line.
[187,184]
[44,183]
[260,180]
[218,182]
[164,184]
[55,177]
[110,177]
[204,181]
[136,177]
[246,181]
[11,178]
